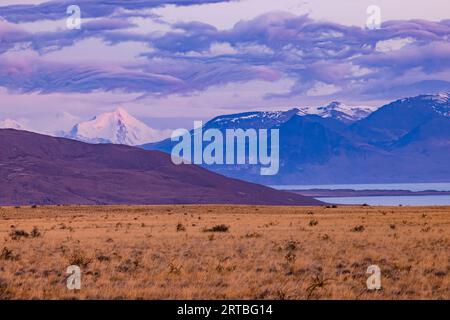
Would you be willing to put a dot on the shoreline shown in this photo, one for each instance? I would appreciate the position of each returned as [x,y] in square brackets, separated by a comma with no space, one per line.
[366,193]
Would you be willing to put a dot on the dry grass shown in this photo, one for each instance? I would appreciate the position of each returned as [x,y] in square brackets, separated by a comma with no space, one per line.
[163,252]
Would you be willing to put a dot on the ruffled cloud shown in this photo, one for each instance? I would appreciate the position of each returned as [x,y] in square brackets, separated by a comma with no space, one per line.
[128,47]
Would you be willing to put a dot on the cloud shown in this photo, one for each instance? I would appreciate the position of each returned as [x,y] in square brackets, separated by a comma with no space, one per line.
[320,57]
[346,12]
[56,9]
[10,34]
[431,58]
[30,73]
[393,44]
[324,52]
[322,89]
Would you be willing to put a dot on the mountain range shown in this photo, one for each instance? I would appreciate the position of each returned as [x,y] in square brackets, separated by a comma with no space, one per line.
[407,140]
[39,169]
[119,127]
[268,119]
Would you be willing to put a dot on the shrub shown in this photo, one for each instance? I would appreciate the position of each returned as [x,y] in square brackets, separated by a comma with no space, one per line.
[17,234]
[318,282]
[7,254]
[252,235]
[79,259]
[358,229]
[218,228]
[129,265]
[103,258]
[175,268]
[4,290]
[290,257]
[35,233]
[180,227]
[325,237]
[291,245]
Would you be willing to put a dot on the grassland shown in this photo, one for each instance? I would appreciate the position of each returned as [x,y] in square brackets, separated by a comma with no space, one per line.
[184,252]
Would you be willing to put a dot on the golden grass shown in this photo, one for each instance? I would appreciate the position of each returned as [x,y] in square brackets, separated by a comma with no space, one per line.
[167,252]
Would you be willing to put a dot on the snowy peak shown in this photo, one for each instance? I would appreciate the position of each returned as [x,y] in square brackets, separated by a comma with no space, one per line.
[259,119]
[439,103]
[339,111]
[10,124]
[117,127]
[344,113]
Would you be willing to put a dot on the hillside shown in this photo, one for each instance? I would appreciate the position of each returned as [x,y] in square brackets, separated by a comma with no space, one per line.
[38,169]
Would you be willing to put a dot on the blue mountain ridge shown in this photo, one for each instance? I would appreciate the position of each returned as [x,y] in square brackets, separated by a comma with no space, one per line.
[407,140]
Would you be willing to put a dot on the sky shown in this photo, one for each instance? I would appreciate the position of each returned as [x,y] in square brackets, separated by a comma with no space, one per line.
[170,62]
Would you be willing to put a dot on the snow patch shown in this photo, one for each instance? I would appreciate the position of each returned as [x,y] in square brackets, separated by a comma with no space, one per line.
[339,111]
[10,124]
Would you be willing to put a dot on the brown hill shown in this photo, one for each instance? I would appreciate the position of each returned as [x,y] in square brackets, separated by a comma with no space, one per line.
[38,169]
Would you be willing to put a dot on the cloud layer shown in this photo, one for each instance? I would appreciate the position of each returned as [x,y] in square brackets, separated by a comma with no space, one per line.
[319,58]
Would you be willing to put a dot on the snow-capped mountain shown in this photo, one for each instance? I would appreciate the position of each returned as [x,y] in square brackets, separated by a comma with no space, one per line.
[258,119]
[268,119]
[345,113]
[439,103]
[399,117]
[10,124]
[117,127]
[339,111]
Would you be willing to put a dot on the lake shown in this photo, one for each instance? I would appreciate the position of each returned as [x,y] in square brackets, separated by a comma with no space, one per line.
[425,200]
[440,186]
[437,200]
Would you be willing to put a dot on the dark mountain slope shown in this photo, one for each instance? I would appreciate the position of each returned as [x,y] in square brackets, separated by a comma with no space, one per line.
[37,169]
[396,119]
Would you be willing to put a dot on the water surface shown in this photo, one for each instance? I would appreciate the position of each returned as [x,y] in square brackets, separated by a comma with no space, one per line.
[435,200]
[440,186]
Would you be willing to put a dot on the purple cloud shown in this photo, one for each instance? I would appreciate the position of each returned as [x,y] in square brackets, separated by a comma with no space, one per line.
[430,58]
[56,9]
[195,56]
[28,74]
